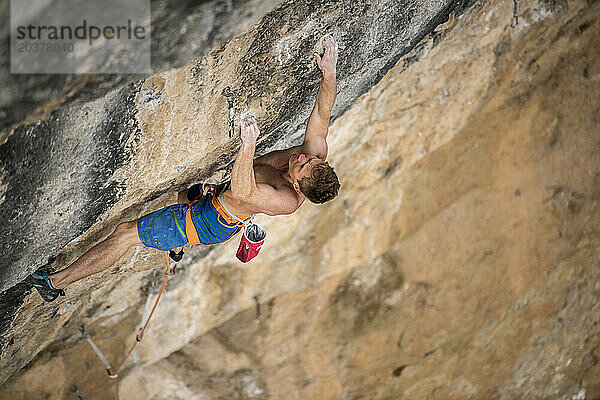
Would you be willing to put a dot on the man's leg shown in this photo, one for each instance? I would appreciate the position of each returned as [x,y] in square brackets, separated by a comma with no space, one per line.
[99,257]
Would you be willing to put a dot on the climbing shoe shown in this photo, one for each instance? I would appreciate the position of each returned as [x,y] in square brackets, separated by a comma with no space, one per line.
[39,279]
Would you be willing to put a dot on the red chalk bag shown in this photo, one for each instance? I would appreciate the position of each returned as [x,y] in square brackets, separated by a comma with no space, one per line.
[252,240]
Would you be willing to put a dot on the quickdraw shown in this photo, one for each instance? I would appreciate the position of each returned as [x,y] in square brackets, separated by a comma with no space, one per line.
[258,311]
[230,113]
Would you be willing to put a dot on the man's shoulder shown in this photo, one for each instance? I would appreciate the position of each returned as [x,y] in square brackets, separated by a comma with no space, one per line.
[277,199]
[277,158]
[315,147]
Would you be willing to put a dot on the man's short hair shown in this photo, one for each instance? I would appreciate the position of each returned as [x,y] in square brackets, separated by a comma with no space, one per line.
[322,185]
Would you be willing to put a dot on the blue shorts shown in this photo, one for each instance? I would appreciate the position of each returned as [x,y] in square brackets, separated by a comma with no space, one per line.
[164,229]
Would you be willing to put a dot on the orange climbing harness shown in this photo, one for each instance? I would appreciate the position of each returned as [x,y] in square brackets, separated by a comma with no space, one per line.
[190,229]
[139,336]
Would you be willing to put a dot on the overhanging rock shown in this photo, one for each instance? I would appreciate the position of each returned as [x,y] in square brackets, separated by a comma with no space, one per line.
[103,159]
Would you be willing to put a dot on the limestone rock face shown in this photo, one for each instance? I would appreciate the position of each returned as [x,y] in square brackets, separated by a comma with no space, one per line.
[461,259]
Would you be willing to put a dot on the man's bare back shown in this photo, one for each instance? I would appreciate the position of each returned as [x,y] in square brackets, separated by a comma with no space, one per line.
[274,170]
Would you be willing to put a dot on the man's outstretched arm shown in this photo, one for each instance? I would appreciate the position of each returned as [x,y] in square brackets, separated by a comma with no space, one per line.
[318,123]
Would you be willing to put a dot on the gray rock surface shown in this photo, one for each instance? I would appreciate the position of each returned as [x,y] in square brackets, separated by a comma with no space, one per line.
[181,31]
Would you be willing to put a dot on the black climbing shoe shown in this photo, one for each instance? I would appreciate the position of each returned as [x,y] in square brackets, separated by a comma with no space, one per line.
[39,279]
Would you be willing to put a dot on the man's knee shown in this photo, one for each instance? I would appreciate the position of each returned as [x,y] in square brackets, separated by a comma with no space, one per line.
[127,232]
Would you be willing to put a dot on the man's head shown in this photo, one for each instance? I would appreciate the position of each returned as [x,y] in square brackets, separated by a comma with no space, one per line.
[314,178]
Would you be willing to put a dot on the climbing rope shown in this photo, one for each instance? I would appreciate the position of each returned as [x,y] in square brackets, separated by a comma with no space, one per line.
[138,337]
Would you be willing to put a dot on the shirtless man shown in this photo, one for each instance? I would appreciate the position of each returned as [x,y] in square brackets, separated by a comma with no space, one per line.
[274,184]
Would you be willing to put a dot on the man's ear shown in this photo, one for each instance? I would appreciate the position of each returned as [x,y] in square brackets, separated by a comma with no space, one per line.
[297,187]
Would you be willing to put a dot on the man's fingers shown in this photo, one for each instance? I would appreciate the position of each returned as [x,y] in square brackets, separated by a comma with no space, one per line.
[249,129]
[329,50]
[252,125]
[254,130]
[330,45]
[327,44]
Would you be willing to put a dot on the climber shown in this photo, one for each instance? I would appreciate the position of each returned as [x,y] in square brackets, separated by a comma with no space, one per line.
[274,184]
